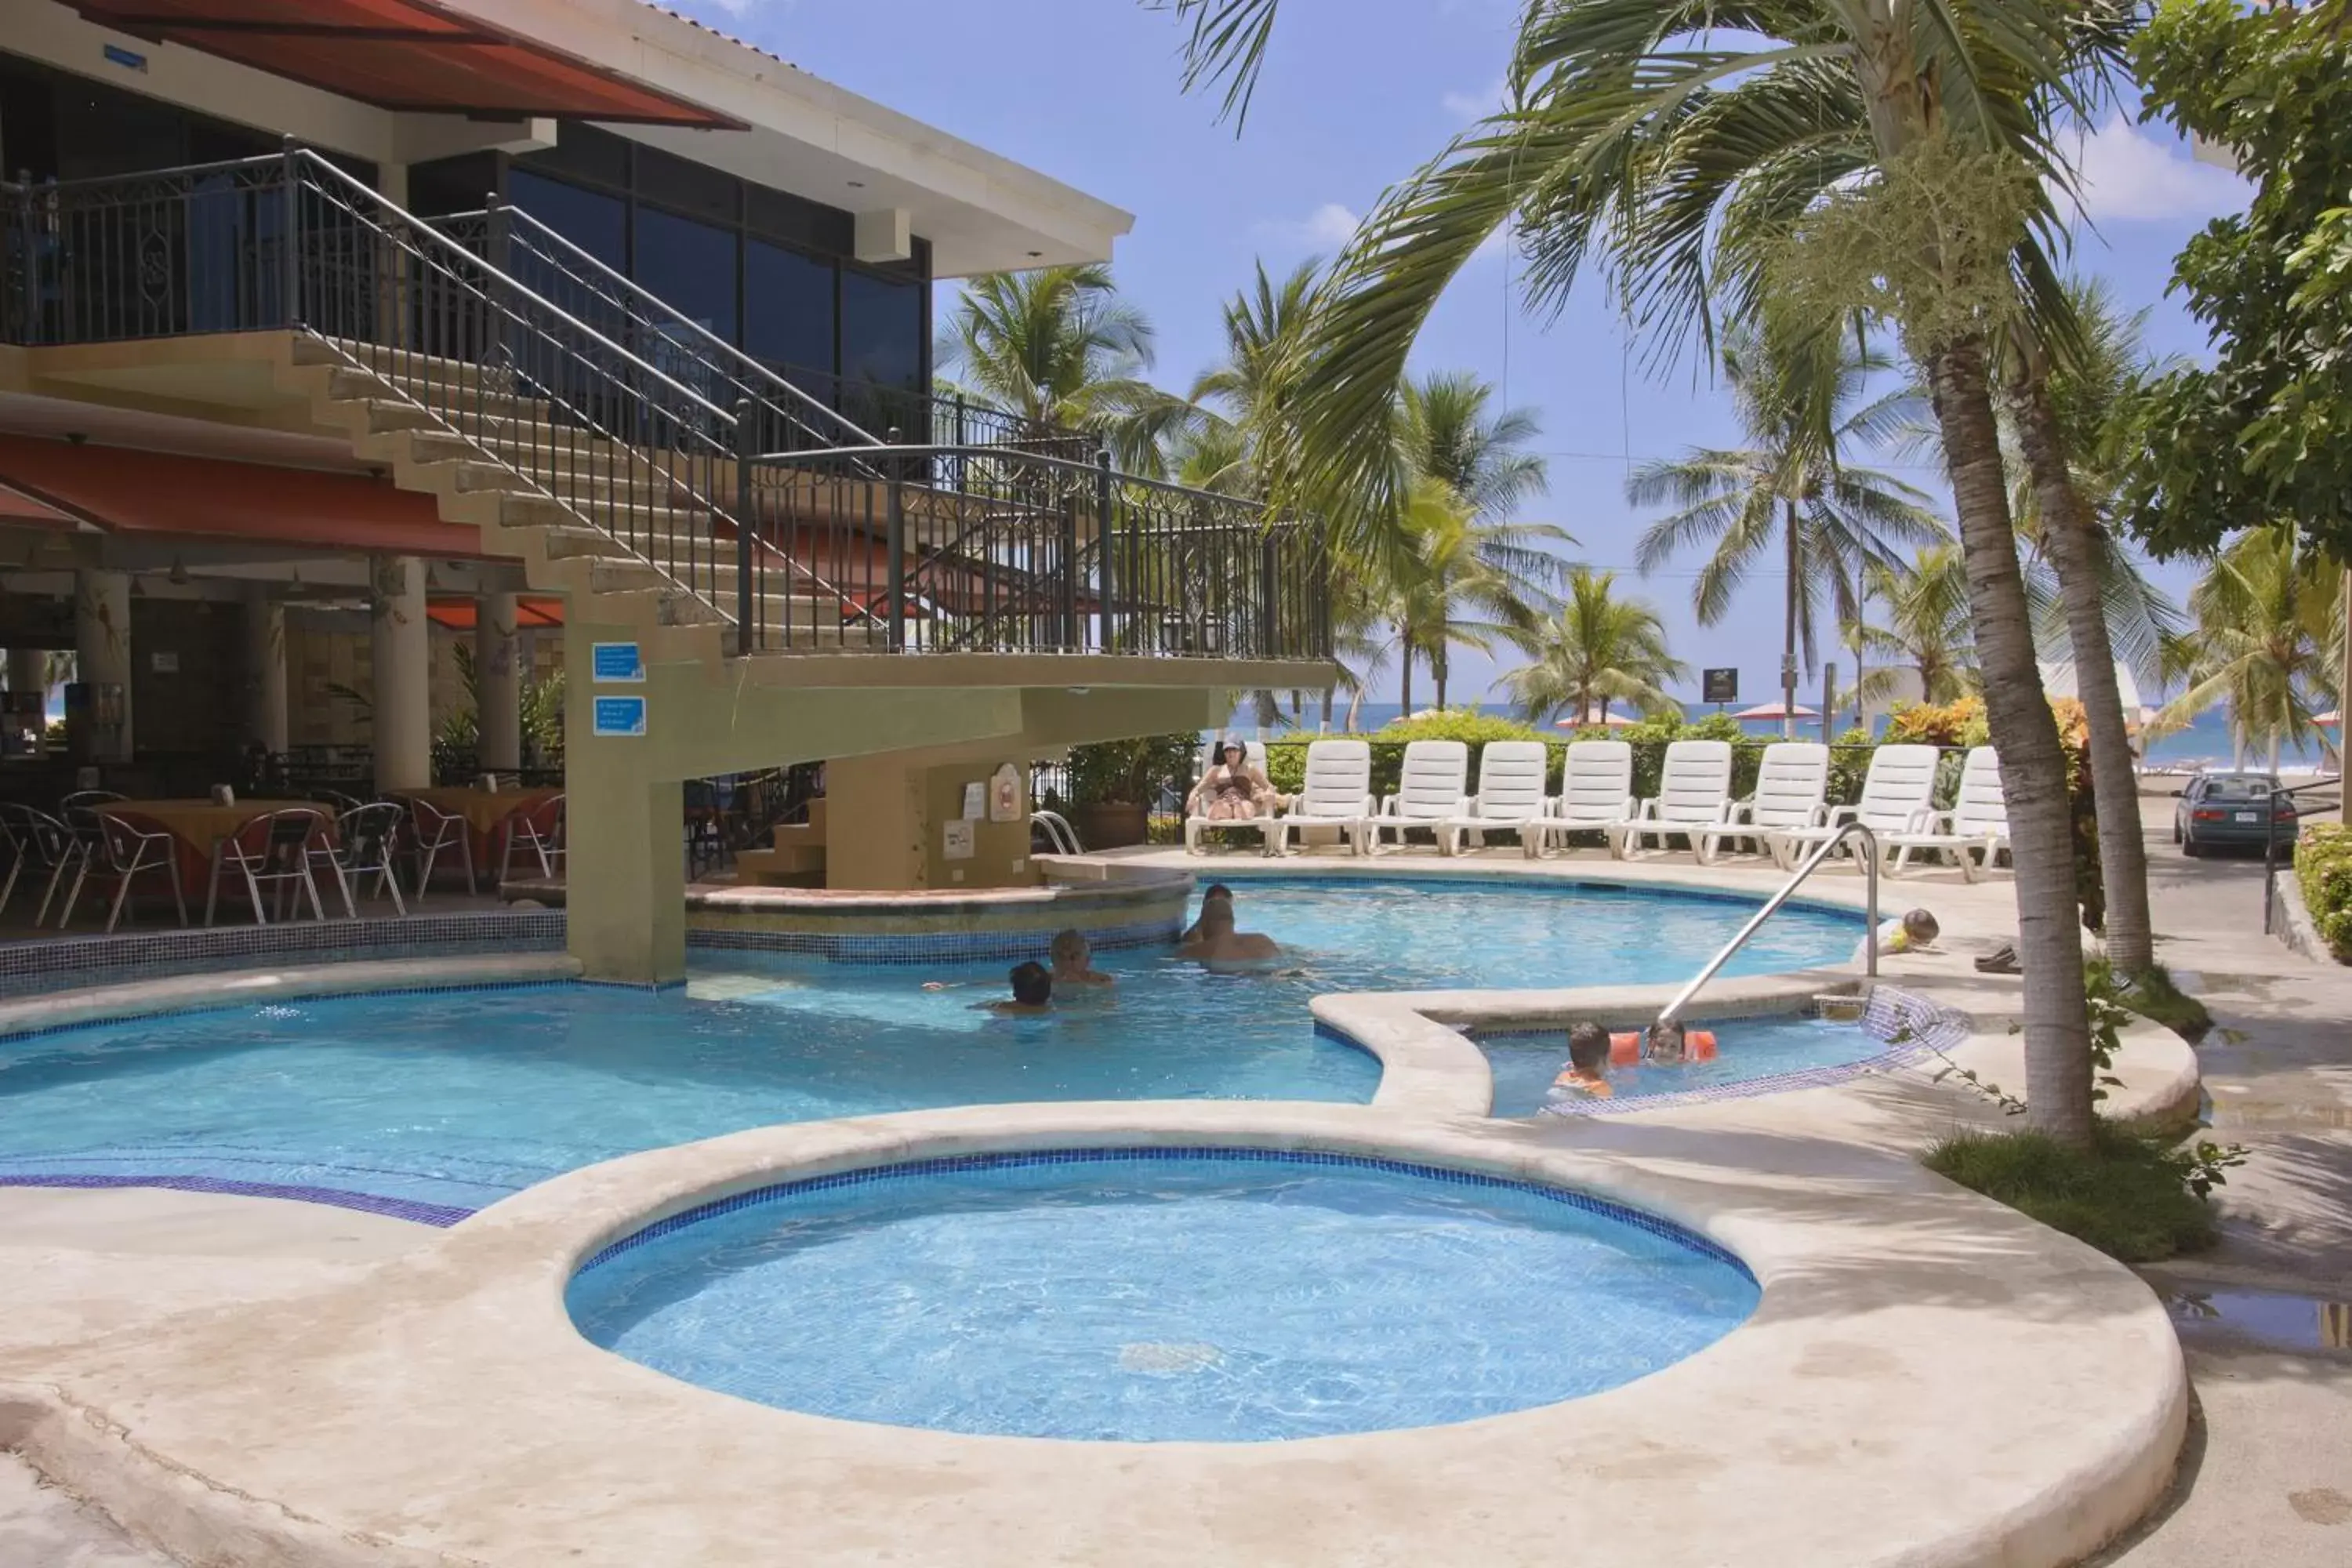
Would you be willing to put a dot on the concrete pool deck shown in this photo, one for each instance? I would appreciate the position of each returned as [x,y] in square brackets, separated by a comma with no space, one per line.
[2014,1397]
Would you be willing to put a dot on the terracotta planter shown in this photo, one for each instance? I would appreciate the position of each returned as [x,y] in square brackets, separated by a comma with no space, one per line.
[1111,826]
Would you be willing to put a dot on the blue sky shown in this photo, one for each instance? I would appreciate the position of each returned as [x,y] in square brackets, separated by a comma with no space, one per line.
[1357,93]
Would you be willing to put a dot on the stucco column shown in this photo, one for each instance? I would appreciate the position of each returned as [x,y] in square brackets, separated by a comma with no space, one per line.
[498,675]
[264,668]
[402,658]
[624,870]
[102,648]
[28,670]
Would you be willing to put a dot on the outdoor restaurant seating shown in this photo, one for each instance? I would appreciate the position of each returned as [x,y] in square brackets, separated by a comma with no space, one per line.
[438,830]
[366,840]
[38,842]
[122,849]
[540,829]
[274,850]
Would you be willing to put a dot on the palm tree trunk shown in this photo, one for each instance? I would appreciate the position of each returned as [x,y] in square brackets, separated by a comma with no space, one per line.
[2033,765]
[1789,631]
[1437,673]
[2080,557]
[1404,680]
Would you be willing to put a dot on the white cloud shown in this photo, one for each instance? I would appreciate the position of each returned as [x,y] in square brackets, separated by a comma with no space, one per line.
[1475,105]
[2127,175]
[1327,228]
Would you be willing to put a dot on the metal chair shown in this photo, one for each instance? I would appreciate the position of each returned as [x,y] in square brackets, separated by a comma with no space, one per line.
[83,799]
[41,842]
[436,830]
[368,837]
[538,829]
[344,805]
[119,847]
[275,849]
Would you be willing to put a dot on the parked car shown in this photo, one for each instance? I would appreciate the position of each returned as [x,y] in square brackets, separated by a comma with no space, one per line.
[2231,808]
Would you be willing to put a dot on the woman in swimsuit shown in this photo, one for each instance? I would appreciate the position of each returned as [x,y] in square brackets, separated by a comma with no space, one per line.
[1231,790]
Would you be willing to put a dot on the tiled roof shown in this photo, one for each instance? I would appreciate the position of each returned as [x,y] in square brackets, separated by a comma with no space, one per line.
[728,37]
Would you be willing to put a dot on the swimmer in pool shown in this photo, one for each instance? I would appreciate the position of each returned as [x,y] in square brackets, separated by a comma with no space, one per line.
[1587,1074]
[1216,945]
[1218,893]
[1665,1044]
[1072,962]
[1032,991]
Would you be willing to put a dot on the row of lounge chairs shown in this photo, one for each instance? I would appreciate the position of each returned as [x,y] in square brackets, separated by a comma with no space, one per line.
[1787,814]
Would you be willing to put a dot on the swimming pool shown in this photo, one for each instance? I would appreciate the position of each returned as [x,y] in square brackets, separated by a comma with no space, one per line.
[1153,1296]
[433,1105]
[1747,1050]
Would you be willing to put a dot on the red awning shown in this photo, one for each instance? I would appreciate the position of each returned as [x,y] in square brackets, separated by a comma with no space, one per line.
[132,491]
[531,614]
[410,55]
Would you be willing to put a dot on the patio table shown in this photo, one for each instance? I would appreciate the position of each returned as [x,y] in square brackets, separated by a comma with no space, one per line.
[200,825]
[484,812]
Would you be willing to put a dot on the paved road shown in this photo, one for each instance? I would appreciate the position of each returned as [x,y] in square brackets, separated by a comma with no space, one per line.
[2269,1474]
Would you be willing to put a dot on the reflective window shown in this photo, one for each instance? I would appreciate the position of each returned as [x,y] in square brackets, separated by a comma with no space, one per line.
[881,329]
[596,223]
[787,307]
[690,267]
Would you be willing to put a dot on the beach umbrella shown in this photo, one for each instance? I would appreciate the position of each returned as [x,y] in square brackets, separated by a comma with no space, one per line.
[1774,711]
[2327,721]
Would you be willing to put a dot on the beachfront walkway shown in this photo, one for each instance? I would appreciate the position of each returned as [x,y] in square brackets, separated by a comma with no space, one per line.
[2267,1477]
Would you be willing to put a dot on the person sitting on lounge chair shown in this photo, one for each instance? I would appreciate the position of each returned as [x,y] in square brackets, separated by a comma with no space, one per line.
[1231,790]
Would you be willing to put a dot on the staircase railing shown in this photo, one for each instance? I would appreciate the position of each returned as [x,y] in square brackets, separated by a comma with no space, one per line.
[1772,906]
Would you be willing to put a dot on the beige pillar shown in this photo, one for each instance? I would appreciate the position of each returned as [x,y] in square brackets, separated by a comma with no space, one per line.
[264,668]
[498,676]
[102,649]
[28,670]
[877,822]
[624,870]
[401,659]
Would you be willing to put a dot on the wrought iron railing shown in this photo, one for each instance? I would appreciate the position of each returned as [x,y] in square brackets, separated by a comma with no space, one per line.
[990,549]
[749,509]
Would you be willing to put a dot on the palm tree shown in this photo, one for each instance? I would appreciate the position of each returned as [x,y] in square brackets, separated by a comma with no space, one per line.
[1682,147]
[1925,629]
[1597,650]
[1796,402]
[2268,640]
[1058,350]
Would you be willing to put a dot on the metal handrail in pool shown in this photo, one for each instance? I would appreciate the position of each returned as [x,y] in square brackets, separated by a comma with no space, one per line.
[1772,906]
[1058,831]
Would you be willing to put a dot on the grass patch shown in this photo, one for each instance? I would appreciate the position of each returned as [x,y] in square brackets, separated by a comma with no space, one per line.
[2152,996]
[2134,1198]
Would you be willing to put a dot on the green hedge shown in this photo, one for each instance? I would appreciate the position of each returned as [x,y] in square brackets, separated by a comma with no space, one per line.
[2323,867]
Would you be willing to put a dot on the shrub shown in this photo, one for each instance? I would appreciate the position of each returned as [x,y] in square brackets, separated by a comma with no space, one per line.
[1959,723]
[1467,724]
[2135,1199]
[2152,996]
[2323,870]
[1132,772]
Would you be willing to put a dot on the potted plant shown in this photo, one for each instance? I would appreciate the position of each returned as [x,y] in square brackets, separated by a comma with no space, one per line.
[1115,784]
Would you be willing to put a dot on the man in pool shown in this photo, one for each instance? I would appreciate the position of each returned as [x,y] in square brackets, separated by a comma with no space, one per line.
[1216,945]
[1072,962]
[1032,991]
[1587,1074]
[1218,893]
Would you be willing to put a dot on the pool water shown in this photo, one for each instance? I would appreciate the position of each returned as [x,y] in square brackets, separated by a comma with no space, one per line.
[452,1100]
[1746,1049]
[1137,1296]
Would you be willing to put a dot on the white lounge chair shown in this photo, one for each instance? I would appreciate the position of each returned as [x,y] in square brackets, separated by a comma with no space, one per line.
[1337,793]
[1511,795]
[1431,789]
[1261,825]
[1897,797]
[1790,787]
[1693,792]
[1978,823]
[1596,792]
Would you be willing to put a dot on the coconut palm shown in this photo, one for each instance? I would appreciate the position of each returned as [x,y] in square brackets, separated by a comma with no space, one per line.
[1788,492]
[1058,350]
[1682,149]
[1466,583]
[2268,640]
[1597,650]
[1924,629]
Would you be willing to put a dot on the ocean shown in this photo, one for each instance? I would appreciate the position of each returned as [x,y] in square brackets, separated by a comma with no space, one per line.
[2205,742]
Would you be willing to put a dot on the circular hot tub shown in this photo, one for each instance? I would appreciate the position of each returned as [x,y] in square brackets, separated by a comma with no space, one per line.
[1157,1295]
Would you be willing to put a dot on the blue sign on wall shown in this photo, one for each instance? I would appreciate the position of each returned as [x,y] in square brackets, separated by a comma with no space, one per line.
[620,715]
[614,661]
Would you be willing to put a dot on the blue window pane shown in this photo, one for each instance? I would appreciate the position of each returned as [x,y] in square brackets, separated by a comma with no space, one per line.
[881,329]
[596,223]
[690,267]
[787,307]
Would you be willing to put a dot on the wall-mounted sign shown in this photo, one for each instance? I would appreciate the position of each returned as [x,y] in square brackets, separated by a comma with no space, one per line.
[1004,795]
[616,661]
[1719,685]
[620,716]
[955,839]
[163,661]
[975,801]
[129,59]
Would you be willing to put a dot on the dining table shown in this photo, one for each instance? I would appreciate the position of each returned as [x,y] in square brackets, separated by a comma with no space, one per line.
[485,813]
[199,827]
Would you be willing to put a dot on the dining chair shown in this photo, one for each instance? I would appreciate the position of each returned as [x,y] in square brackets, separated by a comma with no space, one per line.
[436,830]
[83,799]
[540,829]
[274,850]
[38,842]
[119,847]
[367,838]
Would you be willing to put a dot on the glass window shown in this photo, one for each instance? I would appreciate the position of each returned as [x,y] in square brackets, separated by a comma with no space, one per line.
[596,223]
[881,329]
[690,267]
[787,307]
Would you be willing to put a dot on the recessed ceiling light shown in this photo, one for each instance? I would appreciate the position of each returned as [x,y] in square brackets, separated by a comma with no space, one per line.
[1035,254]
[856,184]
